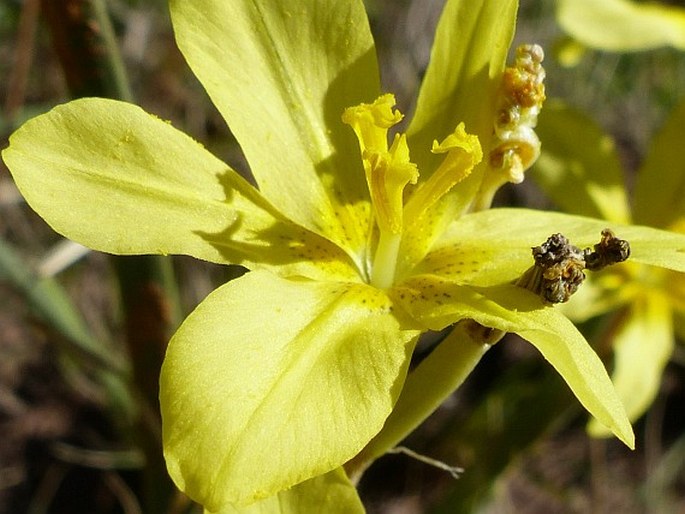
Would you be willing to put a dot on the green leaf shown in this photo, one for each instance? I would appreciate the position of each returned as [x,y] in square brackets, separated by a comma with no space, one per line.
[622,25]
[281,72]
[660,188]
[116,179]
[494,246]
[579,167]
[270,382]
[438,303]
[331,493]
[643,345]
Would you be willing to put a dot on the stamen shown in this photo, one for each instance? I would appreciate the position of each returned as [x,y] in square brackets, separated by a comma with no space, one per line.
[389,171]
[371,122]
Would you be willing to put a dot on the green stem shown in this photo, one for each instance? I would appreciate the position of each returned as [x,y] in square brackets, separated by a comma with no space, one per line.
[148,295]
[426,387]
[18,75]
[115,62]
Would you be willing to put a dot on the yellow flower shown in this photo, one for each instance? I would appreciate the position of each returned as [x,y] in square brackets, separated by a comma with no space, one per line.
[355,248]
[623,25]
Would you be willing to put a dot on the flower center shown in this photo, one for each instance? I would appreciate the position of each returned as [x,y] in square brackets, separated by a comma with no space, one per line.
[389,170]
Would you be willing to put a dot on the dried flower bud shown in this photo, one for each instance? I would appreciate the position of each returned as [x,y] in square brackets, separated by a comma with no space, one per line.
[558,270]
[610,250]
[516,145]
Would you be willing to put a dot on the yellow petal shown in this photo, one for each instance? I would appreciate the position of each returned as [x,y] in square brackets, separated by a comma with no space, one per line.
[642,347]
[281,73]
[623,25]
[270,382]
[331,493]
[114,178]
[439,303]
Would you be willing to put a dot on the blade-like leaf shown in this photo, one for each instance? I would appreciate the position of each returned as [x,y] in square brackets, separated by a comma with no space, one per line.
[53,305]
[579,168]
[281,73]
[270,382]
[114,178]
[622,25]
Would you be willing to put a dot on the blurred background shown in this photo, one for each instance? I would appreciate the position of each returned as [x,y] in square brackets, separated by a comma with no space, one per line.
[82,334]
